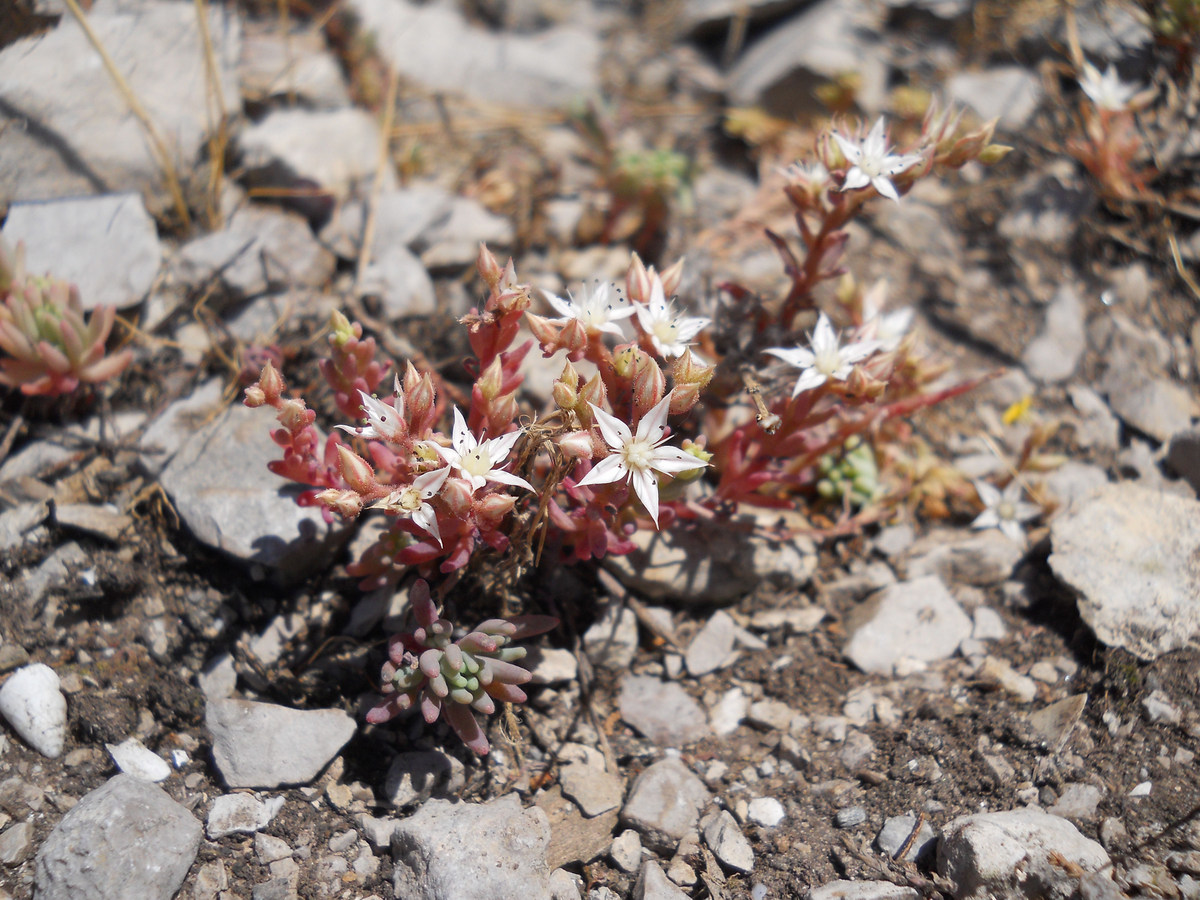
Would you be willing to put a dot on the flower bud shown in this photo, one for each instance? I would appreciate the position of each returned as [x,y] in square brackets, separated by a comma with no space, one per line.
[683,398]
[573,337]
[254,396]
[343,330]
[690,370]
[593,392]
[356,471]
[993,153]
[861,384]
[271,383]
[294,416]
[491,509]
[576,445]
[419,400]
[649,384]
[637,281]
[545,331]
[696,449]
[564,396]
[456,494]
[346,504]
[624,358]
[491,382]
[671,276]
[489,269]
[411,378]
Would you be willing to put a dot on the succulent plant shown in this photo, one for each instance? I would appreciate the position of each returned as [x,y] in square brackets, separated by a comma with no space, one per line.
[49,345]
[450,678]
[853,473]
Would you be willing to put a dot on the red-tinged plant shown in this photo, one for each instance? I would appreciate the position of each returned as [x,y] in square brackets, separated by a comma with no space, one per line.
[1112,149]
[454,678]
[50,344]
[492,481]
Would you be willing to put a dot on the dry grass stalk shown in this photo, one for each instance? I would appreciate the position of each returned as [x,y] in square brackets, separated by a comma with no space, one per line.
[218,121]
[135,106]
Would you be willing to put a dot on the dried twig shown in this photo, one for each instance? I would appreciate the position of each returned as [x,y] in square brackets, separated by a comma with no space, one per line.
[219,133]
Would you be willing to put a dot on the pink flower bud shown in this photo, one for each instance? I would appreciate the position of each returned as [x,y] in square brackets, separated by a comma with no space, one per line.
[683,398]
[294,416]
[254,396]
[545,331]
[411,377]
[491,382]
[419,400]
[649,383]
[346,504]
[491,509]
[271,383]
[456,494]
[593,392]
[564,397]
[573,338]
[671,277]
[489,269]
[637,281]
[576,445]
[356,471]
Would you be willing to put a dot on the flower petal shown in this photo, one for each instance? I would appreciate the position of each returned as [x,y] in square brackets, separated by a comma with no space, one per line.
[672,461]
[615,432]
[498,447]
[563,307]
[431,482]
[856,178]
[800,357]
[654,423]
[645,486]
[426,518]
[885,188]
[849,149]
[809,379]
[608,470]
[508,478]
[461,438]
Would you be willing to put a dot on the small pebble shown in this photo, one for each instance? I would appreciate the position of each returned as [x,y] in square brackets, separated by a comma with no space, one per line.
[850,816]
[766,812]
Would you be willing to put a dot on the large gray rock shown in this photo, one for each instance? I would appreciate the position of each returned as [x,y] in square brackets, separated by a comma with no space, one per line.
[862,890]
[662,711]
[261,745]
[125,839]
[664,804]
[982,559]
[335,149]
[297,65]
[1008,93]
[435,46]
[713,562]
[259,248]
[219,485]
[472,851]
[1053,355]
[1131,554]
[1016,854]
[108,245]
[832,37]
[66,131]
[909,621]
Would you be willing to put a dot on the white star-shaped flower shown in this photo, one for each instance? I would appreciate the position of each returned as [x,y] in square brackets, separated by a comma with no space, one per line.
[383,422]
[1107,91]
[886,329]
[412,499]
[600,310]
[638,456]
[669,333]
[479,461]
[826,360]
[1005,511]
[872,163]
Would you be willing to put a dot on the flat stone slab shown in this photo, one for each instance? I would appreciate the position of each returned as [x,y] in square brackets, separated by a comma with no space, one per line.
[219,484]
[261,745]
[107,246]
[1131,553]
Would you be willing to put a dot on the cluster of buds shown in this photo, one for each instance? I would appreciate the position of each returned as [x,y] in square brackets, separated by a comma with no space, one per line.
[451,677]
[51,345]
